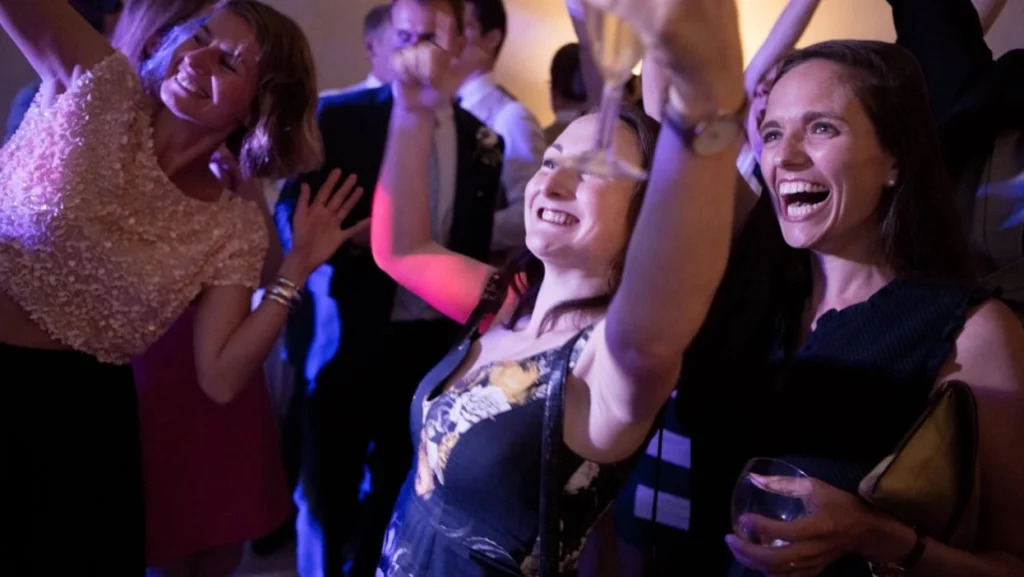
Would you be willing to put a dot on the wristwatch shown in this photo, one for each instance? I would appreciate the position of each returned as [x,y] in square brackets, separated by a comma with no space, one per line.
[908,562]
[707,135]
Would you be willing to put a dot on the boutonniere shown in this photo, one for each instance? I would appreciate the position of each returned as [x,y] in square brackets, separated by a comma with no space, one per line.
[488,147]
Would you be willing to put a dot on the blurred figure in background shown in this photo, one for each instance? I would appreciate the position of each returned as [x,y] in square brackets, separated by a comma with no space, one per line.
[377,43]
[568,91]
[492,104]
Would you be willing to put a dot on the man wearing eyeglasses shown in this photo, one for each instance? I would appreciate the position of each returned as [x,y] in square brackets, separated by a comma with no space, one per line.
[361,342]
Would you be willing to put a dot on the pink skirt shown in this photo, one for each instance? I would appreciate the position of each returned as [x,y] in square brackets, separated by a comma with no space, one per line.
[213,473]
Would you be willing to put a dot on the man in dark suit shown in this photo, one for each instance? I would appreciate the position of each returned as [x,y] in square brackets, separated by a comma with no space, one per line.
[363,343]
[978,104]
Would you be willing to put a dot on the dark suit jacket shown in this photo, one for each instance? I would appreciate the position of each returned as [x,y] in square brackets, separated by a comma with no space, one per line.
[354,126]
[973,96]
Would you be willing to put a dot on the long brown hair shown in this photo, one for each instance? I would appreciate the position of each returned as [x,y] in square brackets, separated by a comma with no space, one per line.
[284,139]
[528,270]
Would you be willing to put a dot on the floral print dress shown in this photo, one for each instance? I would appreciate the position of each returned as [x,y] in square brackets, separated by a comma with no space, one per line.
[471,504]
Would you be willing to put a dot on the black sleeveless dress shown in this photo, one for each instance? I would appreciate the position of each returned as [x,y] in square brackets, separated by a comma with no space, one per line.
[471,504]
[834,405]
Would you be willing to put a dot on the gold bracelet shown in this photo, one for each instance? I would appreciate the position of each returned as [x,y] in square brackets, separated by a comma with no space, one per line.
[279,300]
[286,283]
[289,294]
[286,290]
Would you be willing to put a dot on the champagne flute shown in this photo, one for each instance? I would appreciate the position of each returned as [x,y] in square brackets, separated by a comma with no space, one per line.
[750,495]
[616,48]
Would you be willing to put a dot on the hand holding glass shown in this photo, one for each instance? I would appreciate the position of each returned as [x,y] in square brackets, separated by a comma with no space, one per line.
[752,495]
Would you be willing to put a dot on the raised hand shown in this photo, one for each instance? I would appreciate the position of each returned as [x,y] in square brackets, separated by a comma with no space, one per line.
[317,221]
[427,74]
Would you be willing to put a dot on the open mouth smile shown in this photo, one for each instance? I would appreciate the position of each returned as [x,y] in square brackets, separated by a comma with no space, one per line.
[801,199]
[189,85]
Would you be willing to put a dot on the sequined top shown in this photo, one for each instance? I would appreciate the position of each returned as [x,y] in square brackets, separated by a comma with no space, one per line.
[96,244]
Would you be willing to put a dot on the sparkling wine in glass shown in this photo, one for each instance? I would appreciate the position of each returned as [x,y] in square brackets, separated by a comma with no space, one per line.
[752,495]
[616,49]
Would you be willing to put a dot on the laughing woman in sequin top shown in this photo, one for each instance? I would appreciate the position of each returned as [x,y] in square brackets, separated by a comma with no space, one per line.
[111,222]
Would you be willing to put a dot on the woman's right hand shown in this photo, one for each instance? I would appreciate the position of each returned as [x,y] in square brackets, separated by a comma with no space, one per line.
[696,41]
[427,74]
[317,225]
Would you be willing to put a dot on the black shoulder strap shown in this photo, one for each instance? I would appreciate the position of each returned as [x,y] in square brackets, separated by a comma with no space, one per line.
[551,443]
[491,301]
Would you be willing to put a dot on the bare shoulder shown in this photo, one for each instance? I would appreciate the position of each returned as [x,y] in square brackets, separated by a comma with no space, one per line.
[989,351]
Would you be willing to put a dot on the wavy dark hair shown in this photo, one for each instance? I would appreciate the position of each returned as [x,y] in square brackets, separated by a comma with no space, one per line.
[528,270]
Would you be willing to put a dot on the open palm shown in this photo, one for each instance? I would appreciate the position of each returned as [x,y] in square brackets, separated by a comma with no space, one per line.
[317,221]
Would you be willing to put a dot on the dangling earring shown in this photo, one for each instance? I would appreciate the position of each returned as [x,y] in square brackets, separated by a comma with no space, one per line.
[890,183]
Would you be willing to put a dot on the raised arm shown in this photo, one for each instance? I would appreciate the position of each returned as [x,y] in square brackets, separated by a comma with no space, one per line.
[781,40]
[400,231]
[988,12]
[948,41]
[54,38]
[678,252]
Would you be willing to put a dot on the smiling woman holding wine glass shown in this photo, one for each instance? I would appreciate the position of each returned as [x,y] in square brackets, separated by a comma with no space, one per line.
[848,300]
[527,429]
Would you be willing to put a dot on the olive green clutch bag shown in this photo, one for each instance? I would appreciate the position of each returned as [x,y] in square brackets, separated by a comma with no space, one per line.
[930,482]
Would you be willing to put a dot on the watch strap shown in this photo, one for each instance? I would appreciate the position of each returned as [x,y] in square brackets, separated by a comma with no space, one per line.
[688,126]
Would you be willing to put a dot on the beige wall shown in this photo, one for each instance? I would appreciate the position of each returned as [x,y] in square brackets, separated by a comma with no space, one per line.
[537,29]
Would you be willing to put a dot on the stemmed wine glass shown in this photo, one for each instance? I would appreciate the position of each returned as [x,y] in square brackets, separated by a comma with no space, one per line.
[616,49]
[751,495]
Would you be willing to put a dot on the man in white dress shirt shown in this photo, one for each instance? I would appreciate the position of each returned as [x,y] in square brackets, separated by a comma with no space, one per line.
[377,43]
[486,29]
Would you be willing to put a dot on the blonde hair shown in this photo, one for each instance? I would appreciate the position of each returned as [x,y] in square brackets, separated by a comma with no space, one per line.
[143,21]
[284,139]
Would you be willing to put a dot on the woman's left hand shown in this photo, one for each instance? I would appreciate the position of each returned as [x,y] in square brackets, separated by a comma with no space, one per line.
[317,222]
[836,525]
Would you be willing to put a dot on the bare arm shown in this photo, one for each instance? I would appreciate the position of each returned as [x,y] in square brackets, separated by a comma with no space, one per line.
[988,357]
[53,37]
[675,261]
[989,11]
[231,343]
[400,232]
[225,166]
[781,40]
[655,93]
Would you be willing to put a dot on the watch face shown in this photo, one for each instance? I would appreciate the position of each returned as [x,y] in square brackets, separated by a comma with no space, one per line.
[716,135]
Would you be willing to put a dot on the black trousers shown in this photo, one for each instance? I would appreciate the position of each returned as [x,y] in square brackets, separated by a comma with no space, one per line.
[71,465]
[357,422]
